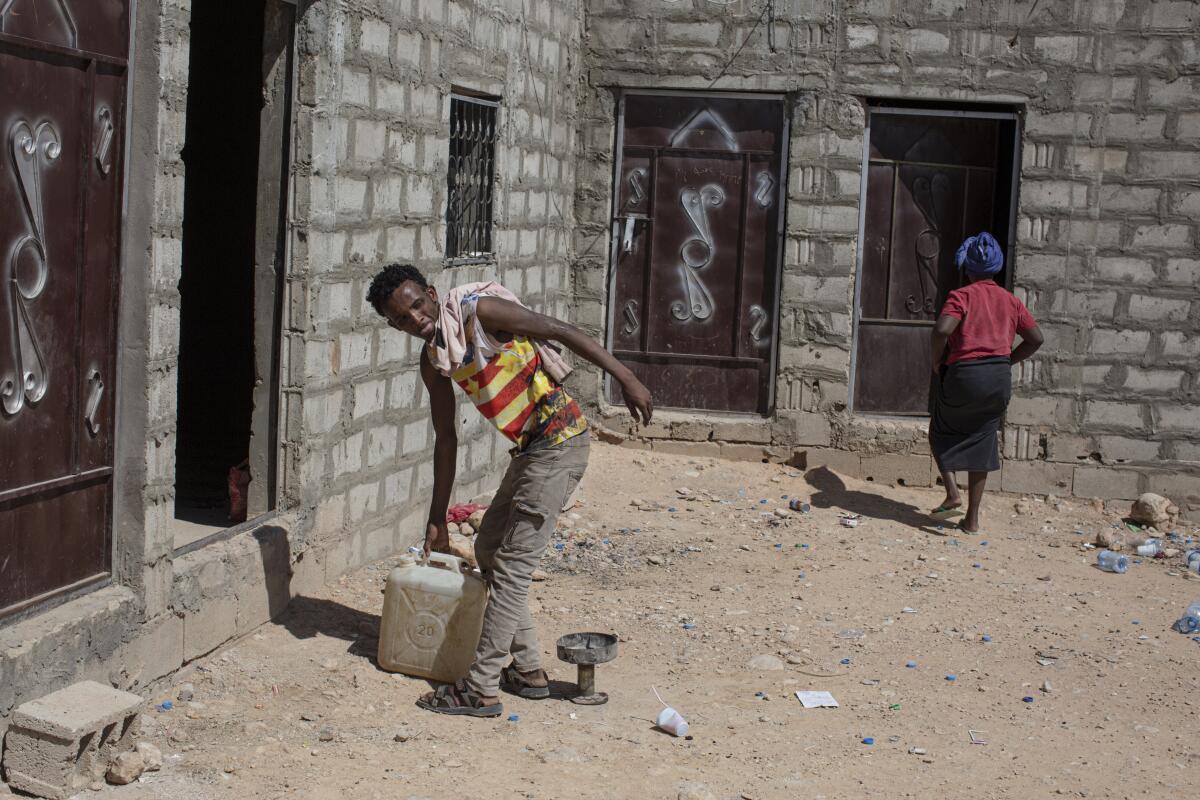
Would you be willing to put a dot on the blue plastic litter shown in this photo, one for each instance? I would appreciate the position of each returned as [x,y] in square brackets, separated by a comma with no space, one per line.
[845,661]
[911,665]
[952,678]
[165,705]
[983,543]
[559,546]
[800,575]
[1135,622]
[986,638]
[868,740]
[687,626]
[672,509]
[762,502]
[804,546]
[779,546]
[758,694]
[977,565]
[514,718]
[1026,699]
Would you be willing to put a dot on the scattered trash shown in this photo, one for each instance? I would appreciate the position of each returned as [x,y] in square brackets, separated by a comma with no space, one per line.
[907,610]
[795,505]
[868,740]
[1109,561]
[985,638]
[514,718]
[918,751]
[894,707]
[1150,549]
[669,720]
[911,665]
[851,520]
[851,633]
[688,626]
[844,661]
[165,705]
[1026,699]
[816,700]
[976,737]
[1190,621]
[951,678]
[1046,687]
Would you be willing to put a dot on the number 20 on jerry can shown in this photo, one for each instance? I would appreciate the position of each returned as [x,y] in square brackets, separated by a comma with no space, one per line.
[432,615]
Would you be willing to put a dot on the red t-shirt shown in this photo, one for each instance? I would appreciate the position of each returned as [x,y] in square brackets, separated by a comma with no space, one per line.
[989,319]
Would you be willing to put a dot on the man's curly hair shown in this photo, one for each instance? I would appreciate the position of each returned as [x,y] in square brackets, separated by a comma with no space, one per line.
[388,280]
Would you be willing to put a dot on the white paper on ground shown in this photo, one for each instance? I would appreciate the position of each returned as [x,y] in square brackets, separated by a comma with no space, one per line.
[816,700]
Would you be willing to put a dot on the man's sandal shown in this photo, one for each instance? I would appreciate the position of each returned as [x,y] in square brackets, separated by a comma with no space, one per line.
[512,681]
[459,700]
[943,512]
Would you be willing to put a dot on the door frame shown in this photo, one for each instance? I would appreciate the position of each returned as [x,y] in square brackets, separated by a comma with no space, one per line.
[883,108]
[780,235]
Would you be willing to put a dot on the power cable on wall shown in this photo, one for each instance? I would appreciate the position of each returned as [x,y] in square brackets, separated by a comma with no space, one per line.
[768,8]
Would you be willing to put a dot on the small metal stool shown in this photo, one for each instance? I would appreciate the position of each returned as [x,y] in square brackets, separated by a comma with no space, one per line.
[586,650]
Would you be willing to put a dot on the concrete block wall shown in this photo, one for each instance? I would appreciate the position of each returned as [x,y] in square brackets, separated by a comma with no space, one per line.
[372,126]
[369,183]
[1108,254]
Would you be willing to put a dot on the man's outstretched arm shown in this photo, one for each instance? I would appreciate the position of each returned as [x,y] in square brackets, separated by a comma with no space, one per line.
[445,453]
[503,316]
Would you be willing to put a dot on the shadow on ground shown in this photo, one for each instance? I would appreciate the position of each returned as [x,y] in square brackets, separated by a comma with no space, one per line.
[832,492]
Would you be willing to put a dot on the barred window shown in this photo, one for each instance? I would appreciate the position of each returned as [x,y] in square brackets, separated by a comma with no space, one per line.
[470,178]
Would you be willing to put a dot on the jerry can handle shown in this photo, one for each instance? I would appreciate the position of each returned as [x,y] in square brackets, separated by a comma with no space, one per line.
[450,562]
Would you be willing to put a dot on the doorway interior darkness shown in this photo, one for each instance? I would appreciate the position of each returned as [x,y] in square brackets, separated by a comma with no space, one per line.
[933,177]
[235,155]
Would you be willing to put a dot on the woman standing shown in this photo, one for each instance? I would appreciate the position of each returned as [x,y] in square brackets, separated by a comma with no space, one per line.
[972,379]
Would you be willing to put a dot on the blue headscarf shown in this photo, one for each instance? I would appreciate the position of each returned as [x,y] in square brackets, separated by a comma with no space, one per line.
[980,255]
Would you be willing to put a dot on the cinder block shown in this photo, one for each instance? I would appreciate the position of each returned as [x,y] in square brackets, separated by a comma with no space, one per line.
[747,452]
[1108,484]
[691,430]
[1037,477]
[756,432]
[842,461]
[902,470]
[60,743]
[707,449]
[1182,488]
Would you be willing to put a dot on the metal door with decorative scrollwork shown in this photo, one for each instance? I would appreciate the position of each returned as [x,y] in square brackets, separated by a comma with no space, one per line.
[63,69]
[932,179]
[696,230]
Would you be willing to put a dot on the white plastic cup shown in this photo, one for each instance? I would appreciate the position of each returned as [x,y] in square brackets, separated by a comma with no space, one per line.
[672,722]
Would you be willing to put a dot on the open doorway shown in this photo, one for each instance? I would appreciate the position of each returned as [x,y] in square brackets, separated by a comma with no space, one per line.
[933,177]
[235,154]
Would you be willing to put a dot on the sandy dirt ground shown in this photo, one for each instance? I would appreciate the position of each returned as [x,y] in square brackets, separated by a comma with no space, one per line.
[1072,676]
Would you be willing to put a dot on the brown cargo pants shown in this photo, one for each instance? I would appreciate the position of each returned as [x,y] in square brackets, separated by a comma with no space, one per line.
[515,532]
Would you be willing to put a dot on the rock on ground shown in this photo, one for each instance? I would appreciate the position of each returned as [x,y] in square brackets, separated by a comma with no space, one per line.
[126,768]
[1154,509]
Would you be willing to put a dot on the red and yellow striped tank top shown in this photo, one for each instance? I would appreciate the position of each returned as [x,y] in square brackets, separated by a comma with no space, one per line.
[506,383]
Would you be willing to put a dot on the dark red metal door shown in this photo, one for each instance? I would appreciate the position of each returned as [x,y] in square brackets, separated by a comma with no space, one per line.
[931,181]
[696,230]
[62,103]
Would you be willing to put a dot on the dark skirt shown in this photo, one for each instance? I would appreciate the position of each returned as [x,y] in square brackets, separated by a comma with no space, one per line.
[967,402]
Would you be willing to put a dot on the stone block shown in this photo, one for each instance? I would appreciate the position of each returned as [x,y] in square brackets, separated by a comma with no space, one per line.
[1183,489]
[751,452]
[1109,414]
[1105,483]
[756,431]
[898,470]
[58,744]
[811,430]
[1037,477]
[1158,309]
[673,447]
[840,461]
[206,629]
[691,430]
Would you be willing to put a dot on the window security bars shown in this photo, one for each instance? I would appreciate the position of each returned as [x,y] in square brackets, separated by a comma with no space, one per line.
[470,178]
